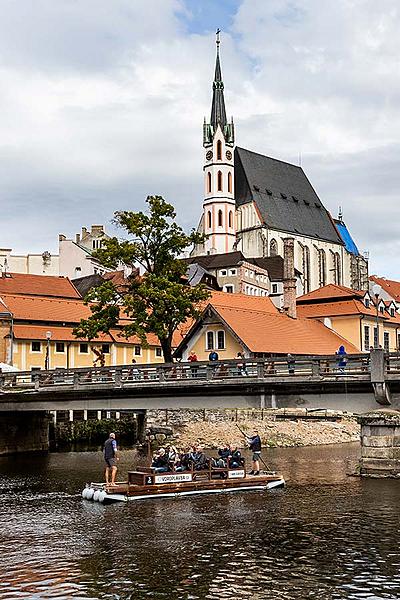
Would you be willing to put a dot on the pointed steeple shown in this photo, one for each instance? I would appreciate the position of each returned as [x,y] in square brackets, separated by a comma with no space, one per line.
[218,112]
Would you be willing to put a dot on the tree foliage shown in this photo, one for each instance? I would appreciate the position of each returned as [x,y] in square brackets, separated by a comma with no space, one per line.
[160,300]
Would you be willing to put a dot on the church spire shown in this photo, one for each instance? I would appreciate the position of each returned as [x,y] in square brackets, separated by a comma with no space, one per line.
[218,113]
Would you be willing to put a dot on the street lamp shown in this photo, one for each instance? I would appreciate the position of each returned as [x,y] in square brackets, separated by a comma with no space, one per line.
[46,362]
[376,290]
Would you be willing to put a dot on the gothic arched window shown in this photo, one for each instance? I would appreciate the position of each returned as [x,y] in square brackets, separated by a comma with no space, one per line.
[220,218]
[338,271]
[219,150]
[230,219]
[219,180]
[209,183]
[322,267]
[306,269]
[209,219]
[273,248]
[230,182]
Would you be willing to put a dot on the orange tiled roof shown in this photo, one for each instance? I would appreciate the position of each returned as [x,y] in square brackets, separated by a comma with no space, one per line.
[327,309]
[40,308]
[242,301]
[390,286]
[58,334]
[38,285]
[330,291]
[279,334]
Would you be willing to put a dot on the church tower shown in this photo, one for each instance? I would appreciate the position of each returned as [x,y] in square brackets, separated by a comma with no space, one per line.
[219,201]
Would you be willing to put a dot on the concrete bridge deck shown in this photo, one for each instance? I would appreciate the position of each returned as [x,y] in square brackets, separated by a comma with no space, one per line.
[308,382]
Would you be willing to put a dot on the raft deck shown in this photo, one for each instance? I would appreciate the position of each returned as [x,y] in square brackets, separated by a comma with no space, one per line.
[144,483]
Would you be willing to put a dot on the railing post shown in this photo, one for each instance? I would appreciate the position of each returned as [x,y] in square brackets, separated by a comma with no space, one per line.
[315,367]
[76,380]
[37,381]
[161,373]
[209,371]
[260,369]
[118,377]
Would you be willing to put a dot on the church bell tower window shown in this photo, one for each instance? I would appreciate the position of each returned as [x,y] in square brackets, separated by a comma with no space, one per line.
[230,182]
[219,150]
[220,218]
[209,219]
[230,219]
[219,180]
[209,183]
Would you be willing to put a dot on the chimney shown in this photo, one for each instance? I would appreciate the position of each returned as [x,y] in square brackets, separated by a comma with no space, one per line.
[61,237]
[84,232]
[77,238]
[289,279]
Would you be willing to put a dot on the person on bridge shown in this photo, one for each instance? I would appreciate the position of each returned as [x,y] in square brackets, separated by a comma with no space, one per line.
[111,457]
[255,447]
[341,359]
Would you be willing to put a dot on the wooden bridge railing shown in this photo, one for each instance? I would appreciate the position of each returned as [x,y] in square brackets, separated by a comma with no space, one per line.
[277,368]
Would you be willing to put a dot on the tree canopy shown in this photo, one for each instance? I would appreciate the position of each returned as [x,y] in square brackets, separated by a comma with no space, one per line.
[156,302]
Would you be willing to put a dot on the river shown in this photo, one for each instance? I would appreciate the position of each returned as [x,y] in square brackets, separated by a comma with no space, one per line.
[325,535]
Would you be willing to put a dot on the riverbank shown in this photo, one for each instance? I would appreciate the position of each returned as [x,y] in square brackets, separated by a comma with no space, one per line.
[273,433]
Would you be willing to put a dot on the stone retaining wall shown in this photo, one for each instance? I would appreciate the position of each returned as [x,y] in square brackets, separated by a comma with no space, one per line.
[380,444]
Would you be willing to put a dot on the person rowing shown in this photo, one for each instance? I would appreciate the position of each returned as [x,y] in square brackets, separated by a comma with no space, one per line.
[254,442]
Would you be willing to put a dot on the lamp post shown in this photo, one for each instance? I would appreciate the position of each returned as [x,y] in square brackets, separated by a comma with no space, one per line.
[47,359]
[376,290]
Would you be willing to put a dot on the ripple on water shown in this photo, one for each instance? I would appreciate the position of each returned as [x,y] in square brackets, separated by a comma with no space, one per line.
[324,536]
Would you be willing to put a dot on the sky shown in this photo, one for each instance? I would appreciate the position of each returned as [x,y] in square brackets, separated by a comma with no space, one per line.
[102,104]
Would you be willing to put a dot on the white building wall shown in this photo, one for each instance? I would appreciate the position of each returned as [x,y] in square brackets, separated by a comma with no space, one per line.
[33,264]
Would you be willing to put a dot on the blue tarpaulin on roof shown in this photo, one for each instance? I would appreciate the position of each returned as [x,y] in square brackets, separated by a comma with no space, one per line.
[346,237]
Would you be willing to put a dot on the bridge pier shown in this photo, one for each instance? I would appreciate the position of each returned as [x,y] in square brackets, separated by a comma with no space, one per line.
[380,443]
[24,431]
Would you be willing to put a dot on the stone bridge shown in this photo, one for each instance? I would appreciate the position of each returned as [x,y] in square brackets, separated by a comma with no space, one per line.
[367,381]
[309,382]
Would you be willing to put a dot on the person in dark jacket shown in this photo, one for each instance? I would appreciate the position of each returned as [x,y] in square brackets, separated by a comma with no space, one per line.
[222,461]
[111,457]
[200,461]
[255,447]
[235,458]
[341,359]
[160,462]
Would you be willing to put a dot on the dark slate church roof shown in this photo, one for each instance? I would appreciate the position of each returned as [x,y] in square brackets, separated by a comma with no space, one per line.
[284,196]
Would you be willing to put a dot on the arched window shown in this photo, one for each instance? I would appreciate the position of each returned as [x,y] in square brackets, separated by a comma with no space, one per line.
[219,150]
[322,267]
[230,182]
[230,219]
[209,219]
[338,270]
[220,218]
[273,248]
[209,183]
[219,180]
[306,269]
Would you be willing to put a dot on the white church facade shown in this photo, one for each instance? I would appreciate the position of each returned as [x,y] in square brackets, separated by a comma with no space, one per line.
[253,202]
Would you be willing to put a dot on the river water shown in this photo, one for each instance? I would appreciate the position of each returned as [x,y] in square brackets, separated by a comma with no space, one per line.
[325,535]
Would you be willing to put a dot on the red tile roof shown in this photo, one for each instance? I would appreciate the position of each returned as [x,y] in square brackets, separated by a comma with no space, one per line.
[330,291]
[390,286]
[242,301]
[58,334]
[40,308]
[37,285]
[279,334]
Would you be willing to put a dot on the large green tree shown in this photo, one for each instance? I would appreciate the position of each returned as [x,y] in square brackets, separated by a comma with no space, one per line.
[159,300]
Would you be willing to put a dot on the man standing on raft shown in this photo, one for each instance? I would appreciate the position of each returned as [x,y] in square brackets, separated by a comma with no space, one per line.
[255,447]
[111,457]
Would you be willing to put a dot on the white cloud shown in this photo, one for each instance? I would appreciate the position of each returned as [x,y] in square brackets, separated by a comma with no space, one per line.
[101,103]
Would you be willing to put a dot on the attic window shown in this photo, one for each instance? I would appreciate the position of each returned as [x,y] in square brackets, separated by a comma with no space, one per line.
[269,192]
[283,196]
[295,199]
[306,202]
[256,188]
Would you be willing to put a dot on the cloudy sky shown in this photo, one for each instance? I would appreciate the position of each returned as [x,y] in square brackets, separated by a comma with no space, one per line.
[101,104]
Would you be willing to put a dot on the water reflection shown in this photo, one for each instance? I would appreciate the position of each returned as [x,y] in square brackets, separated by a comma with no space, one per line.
[325,536]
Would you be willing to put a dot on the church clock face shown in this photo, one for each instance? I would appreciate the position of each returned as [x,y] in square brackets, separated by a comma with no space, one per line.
[228,155]
[209,155]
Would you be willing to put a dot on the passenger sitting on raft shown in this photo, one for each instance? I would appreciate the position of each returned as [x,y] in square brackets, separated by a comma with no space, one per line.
[222,461]
[199,459]
[235,459]
[160,462]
